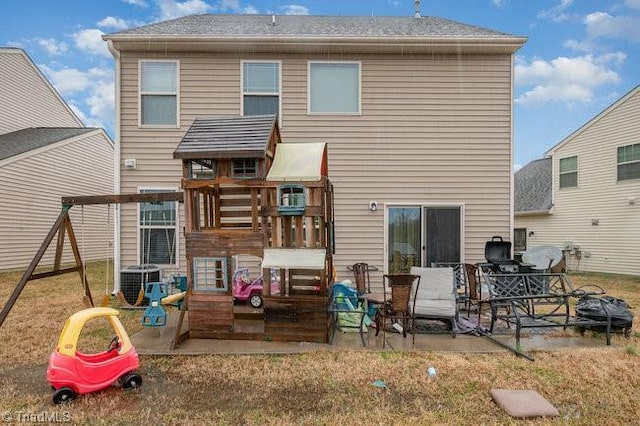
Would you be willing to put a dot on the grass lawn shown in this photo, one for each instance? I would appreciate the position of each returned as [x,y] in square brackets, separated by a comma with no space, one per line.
[589,387]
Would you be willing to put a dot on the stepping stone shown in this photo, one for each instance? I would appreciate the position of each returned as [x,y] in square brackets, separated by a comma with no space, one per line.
[523,403]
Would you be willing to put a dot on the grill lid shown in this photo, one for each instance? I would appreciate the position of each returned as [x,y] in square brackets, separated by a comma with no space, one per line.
[497,250]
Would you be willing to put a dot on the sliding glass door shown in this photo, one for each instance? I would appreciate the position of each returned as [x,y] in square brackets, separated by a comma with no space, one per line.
[422,234]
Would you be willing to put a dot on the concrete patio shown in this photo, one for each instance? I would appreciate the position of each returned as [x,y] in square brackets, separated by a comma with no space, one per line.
[157,341]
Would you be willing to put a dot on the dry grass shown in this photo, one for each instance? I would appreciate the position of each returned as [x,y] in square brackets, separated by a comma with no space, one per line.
[596,386]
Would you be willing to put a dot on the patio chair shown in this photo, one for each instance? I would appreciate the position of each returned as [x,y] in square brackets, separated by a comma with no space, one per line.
[361,277]
[397,304]
[461,281]
[436,299]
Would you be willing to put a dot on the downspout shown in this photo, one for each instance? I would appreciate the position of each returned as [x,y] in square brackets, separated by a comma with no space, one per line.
[511,148]
[116,171]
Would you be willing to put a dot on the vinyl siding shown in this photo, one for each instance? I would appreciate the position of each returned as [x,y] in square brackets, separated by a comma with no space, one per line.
[433,129]
[31,187]
[26,98]
[612,245]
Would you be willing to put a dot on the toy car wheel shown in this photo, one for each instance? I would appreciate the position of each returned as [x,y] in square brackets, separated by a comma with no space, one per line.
[627,333]
[63,395]
[131,381]
[255,300]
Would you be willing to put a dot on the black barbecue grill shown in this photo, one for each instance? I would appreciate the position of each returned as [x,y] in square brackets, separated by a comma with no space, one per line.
[498,255]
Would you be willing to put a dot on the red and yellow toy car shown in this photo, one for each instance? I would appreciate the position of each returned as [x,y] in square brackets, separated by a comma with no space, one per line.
[73,373]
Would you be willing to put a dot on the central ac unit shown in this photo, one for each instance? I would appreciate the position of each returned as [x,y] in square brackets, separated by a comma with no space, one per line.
[133,278]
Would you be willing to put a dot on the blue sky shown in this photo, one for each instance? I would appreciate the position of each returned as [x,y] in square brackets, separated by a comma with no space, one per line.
[582,55]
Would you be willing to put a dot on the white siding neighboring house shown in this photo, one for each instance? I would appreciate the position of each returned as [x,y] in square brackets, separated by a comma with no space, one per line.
[585,196]
[416,112]
[46,153]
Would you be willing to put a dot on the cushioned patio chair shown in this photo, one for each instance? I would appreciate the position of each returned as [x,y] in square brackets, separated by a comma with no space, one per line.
[436,298]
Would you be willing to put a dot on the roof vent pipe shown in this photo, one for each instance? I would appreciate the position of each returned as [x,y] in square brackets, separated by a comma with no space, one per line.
[273,20]
[417,14]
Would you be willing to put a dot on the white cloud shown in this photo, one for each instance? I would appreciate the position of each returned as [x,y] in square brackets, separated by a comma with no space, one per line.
[235,6]
[633,4]
[601,24]
[557,13]
[90,41]
[113,22]
[565,79]
[171,9]
[89,93]
[52,46]
[499,3]
[140,3]
[295,9]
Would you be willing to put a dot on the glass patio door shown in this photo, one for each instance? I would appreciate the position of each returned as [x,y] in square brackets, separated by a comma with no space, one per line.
[420,235]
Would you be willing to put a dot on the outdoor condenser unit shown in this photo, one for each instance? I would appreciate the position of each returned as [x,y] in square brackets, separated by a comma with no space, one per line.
[134,277]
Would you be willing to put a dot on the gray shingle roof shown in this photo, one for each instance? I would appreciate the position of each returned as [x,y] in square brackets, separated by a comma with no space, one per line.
[308,26]
[227,137]
[533,184]
[25,140]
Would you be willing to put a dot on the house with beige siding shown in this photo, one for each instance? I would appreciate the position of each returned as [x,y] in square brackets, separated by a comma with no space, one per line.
[46,153]
[416,113]
[584,197]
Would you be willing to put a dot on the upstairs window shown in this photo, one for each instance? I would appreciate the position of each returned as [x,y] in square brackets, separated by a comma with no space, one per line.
[334,87]
[569,172]
[159,93]
[260,88]
[629,162]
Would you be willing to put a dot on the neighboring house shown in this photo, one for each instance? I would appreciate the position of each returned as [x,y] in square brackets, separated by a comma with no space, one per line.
[585,196]
[46,153]
[416,112]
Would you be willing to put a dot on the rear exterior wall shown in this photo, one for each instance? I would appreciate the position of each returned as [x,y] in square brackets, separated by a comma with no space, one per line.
[433,129]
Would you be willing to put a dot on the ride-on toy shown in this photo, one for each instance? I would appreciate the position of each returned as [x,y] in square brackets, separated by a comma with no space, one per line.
[246,289]
[73,373]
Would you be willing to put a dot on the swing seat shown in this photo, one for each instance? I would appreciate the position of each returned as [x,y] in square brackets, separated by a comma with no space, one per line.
[155,315]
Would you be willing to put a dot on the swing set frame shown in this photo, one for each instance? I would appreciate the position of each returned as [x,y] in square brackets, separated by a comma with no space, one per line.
[63,226]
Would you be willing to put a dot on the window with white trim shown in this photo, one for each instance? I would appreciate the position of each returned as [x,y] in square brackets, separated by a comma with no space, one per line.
[334,88]
[260,88]
[629,162]
[157,224]
[569,172]
[159,93]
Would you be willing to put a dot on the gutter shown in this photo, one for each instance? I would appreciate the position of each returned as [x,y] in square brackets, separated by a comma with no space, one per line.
[507,43]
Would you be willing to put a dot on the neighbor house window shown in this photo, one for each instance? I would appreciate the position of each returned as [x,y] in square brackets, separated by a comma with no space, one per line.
[334,87]
[159,93]
[244,168]
[569,172]
[520,240]
[260,88]
[210,274]
[629,162]
[157,224]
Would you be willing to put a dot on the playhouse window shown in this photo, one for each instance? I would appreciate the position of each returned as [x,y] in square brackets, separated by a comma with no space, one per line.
[210,274]
[291,199]
[202,169]
[245,168]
